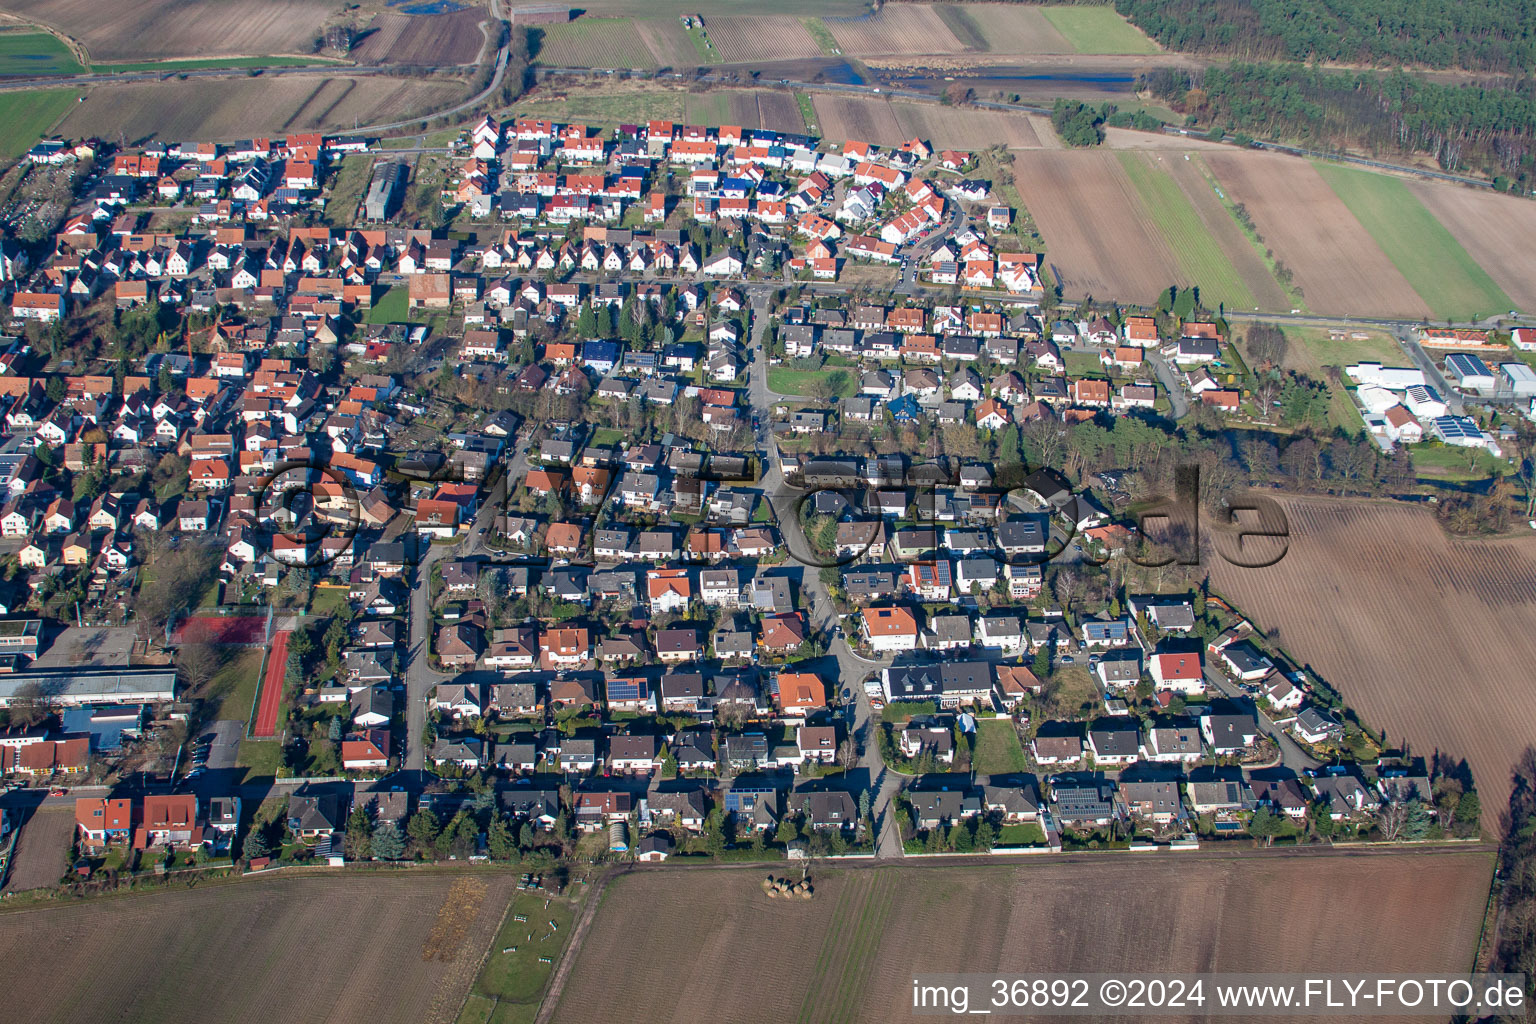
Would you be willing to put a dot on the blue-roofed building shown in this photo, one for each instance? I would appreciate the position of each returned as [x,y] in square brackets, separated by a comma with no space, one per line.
[106,726]
[735,188]
[601,356]
[904,409]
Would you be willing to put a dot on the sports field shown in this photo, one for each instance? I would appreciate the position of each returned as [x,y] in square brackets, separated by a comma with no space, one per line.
[1093,29]
[26,116]
[1444,274]
[1190,240]
[265,727]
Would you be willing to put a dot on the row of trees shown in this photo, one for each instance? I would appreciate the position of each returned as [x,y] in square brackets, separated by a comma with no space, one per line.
[1489,127]
[1484,35]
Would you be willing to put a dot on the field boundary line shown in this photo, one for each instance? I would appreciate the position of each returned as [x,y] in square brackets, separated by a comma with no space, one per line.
[556,986]
[484,959]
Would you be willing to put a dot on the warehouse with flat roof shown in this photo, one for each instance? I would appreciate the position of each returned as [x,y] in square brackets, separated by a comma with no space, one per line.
[81,687]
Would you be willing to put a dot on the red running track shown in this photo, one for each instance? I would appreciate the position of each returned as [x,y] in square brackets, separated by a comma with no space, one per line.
[272,688]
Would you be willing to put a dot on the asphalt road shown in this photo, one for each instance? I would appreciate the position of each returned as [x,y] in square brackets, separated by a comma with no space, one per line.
[851,669]
[1291,754]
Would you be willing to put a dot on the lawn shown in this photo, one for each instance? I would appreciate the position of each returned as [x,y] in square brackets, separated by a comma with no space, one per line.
[24,54]
[604,437]
[998,750]
[25,116]
[260,758]
[1093,29]
[1082,364]
[1028,834]
[1197,251]
[393,308]
[327,600]
[347,189]
[619,103]
[1446,463]
[511,984]
[1439,269]
[804,382]
[233,687]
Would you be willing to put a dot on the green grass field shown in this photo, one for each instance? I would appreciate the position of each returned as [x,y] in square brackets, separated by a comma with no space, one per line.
[1092,29]
[601,108]
[803,382]
[233,687]
[823,35]
[705,49]
[1197,251]
[25,116]
[347,189]
[392,308]
[1312,349]
[1446,463]
[1028,834]
[1440,270]
[998,751]
[24,54]
[511,984]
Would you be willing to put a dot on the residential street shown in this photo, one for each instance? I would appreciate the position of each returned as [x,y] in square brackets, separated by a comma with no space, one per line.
[852,670]
[1291,754]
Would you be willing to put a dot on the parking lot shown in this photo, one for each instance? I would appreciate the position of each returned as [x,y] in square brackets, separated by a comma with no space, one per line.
[222,742]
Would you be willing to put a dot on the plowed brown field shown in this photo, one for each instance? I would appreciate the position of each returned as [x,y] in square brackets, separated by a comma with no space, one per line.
[1100,240]
[1334,260]
[778,111]
[962,128]
[423,38]
[899,29]
[761,37]
[856,118]
[1430,638]
[229,108]
[850,953]
[369,949]
[1014,28]
[180,28]
[884,123]
[1496,230]
[1223,230]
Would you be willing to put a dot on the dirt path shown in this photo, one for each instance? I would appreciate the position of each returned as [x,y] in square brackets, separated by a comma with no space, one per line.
[573,948]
